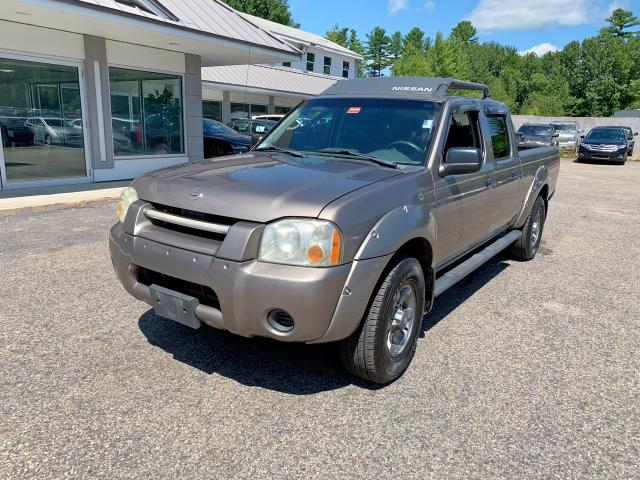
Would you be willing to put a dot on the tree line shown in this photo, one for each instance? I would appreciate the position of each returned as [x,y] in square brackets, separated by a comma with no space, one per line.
[594,77]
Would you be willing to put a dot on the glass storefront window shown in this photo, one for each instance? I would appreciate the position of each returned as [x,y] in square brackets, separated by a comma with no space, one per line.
[282,110]
[41,121]
[244,110]
[212,110]
[146,113]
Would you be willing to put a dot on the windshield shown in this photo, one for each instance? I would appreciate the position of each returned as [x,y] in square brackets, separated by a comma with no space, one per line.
[608,134]
[211,127]
[566,127]
[535,130]
[392,130]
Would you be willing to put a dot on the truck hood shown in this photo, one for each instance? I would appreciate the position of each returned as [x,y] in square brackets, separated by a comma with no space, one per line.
[259,187]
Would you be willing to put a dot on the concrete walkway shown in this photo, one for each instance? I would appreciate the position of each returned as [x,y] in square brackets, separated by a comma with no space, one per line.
[68,196]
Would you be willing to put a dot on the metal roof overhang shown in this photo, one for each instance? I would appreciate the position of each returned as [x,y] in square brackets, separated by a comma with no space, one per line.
[77,17]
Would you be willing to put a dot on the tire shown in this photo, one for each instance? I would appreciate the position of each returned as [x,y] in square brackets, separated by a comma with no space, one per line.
[526,247]
[382,348]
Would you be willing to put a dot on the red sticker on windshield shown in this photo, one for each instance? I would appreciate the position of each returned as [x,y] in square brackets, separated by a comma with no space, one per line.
[354,110]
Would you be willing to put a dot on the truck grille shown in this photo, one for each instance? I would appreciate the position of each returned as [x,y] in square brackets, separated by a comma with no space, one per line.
[190,222]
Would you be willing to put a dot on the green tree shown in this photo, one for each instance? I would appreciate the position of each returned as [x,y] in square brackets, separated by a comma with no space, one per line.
[377,51]
[464,32]
[338,35]
[412,63]
[274,10]
[396,46]
[619,21]
[355,45]
[415,38]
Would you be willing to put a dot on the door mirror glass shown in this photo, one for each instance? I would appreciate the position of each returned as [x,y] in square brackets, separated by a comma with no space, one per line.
[462,160]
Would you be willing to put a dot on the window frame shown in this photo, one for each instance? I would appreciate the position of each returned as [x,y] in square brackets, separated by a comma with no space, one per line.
[84,95]
[346,68]
[311,62]
[326,67]
[505,117]
[184,115]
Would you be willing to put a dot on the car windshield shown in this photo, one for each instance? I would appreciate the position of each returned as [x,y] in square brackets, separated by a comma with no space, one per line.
[607,134]
[535,130]
[565,127]
[399,131]
[211,127]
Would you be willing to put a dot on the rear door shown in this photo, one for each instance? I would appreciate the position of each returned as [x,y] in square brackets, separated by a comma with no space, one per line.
[463,202]
[508,172]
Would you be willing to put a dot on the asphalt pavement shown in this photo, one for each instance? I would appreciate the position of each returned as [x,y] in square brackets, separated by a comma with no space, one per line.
[525,370]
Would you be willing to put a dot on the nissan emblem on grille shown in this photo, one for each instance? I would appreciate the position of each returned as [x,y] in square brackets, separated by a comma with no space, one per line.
[196,194]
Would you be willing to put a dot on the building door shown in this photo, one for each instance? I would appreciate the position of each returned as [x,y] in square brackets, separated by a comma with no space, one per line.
[42,122]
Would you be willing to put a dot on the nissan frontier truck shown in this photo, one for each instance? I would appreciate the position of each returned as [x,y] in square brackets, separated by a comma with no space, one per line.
[344,224]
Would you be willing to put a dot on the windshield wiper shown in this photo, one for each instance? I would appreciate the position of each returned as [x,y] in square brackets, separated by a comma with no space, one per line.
[363,156]
[273,148]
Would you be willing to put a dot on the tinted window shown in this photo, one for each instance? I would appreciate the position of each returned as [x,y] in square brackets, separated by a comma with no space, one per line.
[499,136]
[395,130]
[535,130]
[212,127]
[566,127]
[607,134]
[463,131]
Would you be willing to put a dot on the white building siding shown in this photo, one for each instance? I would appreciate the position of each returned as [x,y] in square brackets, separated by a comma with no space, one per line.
[40,41]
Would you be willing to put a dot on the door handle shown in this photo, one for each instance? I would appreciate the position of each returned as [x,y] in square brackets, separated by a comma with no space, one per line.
[488,181]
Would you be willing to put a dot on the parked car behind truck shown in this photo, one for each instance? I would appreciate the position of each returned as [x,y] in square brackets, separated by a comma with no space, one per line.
[344,224]
[534,135]
[568,135]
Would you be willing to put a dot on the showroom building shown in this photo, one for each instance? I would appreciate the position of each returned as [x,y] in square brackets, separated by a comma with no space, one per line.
[98,90]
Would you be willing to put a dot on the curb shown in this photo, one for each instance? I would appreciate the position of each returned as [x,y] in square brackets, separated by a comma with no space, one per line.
[55,206]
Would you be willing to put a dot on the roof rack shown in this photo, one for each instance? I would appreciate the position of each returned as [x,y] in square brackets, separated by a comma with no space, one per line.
[417,86]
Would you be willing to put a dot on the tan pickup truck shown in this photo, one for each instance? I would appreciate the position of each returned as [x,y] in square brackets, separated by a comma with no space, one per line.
[344,224]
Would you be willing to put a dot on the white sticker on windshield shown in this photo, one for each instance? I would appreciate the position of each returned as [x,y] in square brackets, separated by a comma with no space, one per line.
[427,124]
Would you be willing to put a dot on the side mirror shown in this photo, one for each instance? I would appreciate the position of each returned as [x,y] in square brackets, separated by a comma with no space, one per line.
[581,137]
[635,134]
[556,134]
[461,160]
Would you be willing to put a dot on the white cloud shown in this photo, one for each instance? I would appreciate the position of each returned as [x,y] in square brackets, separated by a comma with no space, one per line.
[430,5]
[495,15]
[618,4]
[396,6]
[541,49]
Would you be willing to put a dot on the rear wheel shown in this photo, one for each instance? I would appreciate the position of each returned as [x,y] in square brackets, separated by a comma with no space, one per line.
[382,347]
[526,247]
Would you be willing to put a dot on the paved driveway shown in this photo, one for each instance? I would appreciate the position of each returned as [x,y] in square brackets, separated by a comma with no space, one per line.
[525,370]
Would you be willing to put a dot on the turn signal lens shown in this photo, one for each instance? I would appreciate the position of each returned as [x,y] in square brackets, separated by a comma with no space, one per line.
[336,247]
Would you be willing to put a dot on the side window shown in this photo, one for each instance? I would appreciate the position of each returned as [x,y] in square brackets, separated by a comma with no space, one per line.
[463,131]
[499,136]
[241,127]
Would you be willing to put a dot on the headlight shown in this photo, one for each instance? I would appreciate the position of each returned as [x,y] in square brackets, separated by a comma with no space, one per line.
[294,241]
[127,197]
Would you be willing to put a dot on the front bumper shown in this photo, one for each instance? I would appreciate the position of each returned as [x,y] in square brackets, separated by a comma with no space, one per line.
[244,291]
[601,156]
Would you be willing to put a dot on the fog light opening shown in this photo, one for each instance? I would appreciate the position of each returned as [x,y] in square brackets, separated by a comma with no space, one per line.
[280,321]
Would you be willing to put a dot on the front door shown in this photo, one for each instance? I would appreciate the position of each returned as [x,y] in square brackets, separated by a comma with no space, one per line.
[463,202]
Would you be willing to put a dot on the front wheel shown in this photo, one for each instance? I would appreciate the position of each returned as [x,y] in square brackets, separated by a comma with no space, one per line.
[526,247]
[382,347]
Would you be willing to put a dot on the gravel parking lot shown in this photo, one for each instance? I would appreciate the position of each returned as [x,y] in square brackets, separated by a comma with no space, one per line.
[526,370]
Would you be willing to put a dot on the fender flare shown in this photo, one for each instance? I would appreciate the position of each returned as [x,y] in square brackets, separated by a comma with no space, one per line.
[413,221]
[540,179]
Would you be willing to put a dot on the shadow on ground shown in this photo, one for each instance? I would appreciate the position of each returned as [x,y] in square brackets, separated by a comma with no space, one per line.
[296,369]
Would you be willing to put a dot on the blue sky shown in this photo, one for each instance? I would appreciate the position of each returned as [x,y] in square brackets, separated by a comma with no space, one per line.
[525,24]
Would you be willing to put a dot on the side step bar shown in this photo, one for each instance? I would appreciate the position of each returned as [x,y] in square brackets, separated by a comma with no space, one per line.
[456,274]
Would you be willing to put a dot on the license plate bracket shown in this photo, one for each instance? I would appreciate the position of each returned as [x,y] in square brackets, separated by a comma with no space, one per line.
[175,306]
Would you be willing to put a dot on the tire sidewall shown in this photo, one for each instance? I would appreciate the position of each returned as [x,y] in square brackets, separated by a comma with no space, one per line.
[538,207]
[408,271]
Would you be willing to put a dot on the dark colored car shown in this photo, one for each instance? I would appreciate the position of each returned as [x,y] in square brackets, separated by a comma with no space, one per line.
[221,140]
[605,144]
[256,129]
[630,134]
[16,132]
[532,135]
